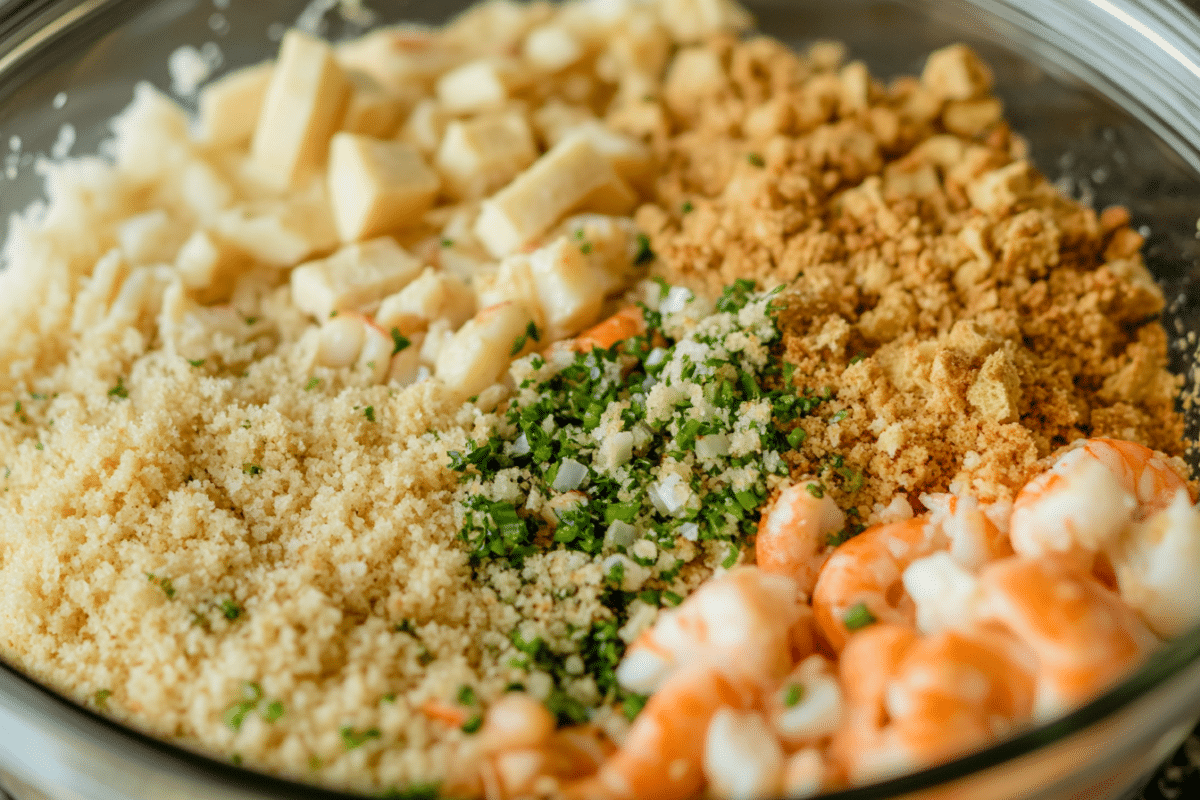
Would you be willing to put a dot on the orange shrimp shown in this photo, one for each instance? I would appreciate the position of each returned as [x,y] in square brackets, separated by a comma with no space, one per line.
[1144,473]
[1088,496]
[927,700]
[742,622]
[867,662]
[975,538]
[792,534]
[1084,636]
[662,757]
[627,322]
[867,571]
[452,715]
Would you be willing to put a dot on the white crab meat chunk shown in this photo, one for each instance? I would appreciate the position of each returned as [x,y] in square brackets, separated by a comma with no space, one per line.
[433,295]
[304,104]
[207,266]
[631,159]
[377,186]
[150,238]
[541,195]
[425,126]
[190,330]
[478,85]
[480,155]
[551,47]
[355,277]
[340,341]
[372,110]
[375,356]
[229,107]
[570,291]
[475,357]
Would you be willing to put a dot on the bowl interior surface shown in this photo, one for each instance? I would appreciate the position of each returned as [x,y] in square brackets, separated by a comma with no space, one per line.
[76,64]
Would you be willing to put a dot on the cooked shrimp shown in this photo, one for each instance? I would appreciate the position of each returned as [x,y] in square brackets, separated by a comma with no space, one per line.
[807,707]
[863,577]
[664,752]
[740,622]
[1157,563]
[1088,496]
[932,698]
[868,661]
[1084,636]
[1144,473]
[792,534]
[941,590]
[972,529]
[518,752]
[627,322]
[743,759]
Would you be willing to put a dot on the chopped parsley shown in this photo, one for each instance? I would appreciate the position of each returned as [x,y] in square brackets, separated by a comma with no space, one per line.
[755,160]
[165,584]
[473,724]
[644,254]
[230,610]
[795,693]
[858,616]
[399,341]
[100,698]
[273,711]
[669,437]
[119,391]
[352,738]
[531,332]
[196,362]
[687,207]
[369,413]
[312,384]
[251,469]
[236,714]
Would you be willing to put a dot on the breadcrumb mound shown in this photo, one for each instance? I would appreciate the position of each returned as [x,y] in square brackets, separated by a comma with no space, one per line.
[969,319]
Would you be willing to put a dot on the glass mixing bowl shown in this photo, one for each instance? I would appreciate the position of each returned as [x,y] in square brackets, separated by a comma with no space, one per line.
[1106,91]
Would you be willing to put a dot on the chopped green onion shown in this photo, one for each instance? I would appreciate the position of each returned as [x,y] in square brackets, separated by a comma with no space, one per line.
[795,694]
[858,616]
[352,739]
[399,341]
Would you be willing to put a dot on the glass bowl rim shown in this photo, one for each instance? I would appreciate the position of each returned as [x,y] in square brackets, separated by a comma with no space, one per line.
[27,26]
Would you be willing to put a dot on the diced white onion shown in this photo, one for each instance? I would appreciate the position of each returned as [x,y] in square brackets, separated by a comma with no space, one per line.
[656,357]
[669,495]
[676,300]
[690,531]
[521,445]
[619,534]
[570,475]
[712,446]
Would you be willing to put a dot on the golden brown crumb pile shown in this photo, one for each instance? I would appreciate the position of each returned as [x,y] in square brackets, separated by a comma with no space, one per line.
[970,319]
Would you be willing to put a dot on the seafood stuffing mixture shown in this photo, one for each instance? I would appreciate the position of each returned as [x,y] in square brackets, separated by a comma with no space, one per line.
[583,400]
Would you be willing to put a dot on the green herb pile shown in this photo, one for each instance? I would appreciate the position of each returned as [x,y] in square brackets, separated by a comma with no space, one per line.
[645,455]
